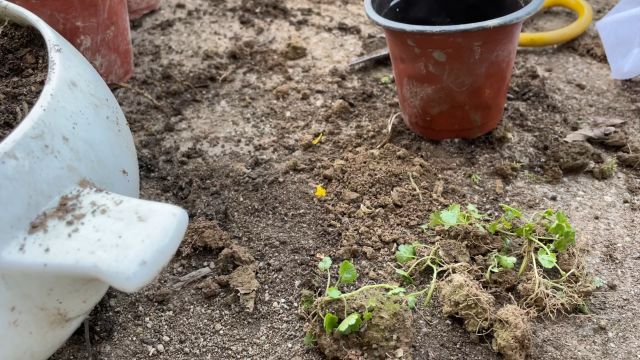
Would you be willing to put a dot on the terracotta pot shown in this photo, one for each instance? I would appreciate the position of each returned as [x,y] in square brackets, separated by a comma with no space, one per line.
[137,8]
[98,29]
[452,67]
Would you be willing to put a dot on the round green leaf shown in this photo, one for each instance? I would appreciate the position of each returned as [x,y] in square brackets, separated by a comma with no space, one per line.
[405,276]
[351,324]
[397,291]
[411,302]
[347,272]
[330,322]
[325,263]
[450,216]
[405,253]
[367,315]
[545,259]
[506,262]
[333,292]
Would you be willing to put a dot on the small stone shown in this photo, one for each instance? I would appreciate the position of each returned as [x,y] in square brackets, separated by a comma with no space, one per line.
[328,174]
[282,91]
[350,196]
[305,141]
[602,324]
[166,338]
[396,198]
[294,52]
[553,197]
[340,107]
[217,327]
[293,165]
[160,348]
[499,187]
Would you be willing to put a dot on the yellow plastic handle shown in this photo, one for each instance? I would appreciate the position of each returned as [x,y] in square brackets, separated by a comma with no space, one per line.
[585,16]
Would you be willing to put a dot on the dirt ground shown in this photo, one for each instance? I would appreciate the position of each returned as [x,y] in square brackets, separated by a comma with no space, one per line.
[243,86]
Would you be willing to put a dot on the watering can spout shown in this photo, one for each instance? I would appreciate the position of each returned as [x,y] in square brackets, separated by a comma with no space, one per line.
[90,233]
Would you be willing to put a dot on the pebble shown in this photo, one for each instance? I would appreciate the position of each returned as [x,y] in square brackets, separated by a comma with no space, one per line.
[328,174]
[350,196]
[217,327]
[340,107]
[602,324]
[282,91]
[165,338]
[160,348]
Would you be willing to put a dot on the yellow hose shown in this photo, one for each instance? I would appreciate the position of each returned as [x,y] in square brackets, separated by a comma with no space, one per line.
[585,16]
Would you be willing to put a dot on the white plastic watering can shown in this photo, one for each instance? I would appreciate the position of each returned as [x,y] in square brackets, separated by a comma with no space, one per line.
[620,34]
[71,223]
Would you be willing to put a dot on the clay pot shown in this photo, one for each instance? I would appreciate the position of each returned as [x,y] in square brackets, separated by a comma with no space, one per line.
[452,61]
[137,8]
[98,29]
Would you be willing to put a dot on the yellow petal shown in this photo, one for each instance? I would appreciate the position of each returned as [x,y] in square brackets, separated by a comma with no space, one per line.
[317,140]
[320,192]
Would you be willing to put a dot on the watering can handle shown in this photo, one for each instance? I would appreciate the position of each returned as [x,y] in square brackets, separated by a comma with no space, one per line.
[559,36]
[93,234]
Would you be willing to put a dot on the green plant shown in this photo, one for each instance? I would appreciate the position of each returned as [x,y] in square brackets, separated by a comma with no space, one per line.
[499,262]
[347,321]
[606,170]
[545,235]
[534,243]
[454,216]
[386,79]
[309,339]
[475,179]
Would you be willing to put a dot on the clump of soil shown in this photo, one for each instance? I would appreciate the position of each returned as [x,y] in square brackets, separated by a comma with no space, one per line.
[505,279]
[389,332]
[294,52]
[243,279]
[452,251]
[544,296]
[204,234]
[234,266]
[512,333]
[463,297]
[23,71]
[478,242]
[572,157]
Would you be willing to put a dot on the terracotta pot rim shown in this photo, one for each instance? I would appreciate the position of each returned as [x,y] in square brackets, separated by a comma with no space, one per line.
[515,17]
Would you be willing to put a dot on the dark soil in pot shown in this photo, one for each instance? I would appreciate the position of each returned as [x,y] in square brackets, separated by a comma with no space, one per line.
[23,71]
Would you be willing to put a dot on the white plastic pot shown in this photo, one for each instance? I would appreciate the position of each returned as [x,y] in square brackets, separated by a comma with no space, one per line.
[71,223]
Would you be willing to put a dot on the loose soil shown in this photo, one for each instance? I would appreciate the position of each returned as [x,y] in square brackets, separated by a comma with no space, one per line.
[23,71]
[245,86]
